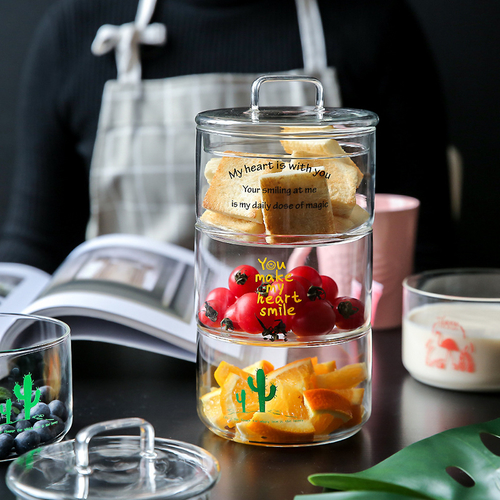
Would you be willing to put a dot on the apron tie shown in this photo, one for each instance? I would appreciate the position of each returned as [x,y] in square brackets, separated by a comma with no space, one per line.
[125,40]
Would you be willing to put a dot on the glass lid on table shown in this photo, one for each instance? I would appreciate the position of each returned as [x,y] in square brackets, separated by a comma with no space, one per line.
[94,467]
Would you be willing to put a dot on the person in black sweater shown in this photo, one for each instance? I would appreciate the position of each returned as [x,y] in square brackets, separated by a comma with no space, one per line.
[377,48]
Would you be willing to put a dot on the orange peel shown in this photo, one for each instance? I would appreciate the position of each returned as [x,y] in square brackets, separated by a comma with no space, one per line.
[327,409]
[262,364]
[270,428]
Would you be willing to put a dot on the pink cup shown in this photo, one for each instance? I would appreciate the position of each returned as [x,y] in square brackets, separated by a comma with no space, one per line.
[394,238]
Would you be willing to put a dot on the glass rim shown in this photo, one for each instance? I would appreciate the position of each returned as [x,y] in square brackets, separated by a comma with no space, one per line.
[232,236]
[66,331]
[349,118]
[339,337]
[410,283]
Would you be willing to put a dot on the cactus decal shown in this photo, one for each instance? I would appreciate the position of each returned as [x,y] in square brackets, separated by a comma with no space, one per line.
[241,398]
[260,389]
[28,458]
[6,410]
[25,394]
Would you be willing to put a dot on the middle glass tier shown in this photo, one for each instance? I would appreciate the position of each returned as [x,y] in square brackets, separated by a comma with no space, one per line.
[266,292]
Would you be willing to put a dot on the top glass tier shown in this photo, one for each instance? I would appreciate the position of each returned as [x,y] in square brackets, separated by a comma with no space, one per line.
[285,176]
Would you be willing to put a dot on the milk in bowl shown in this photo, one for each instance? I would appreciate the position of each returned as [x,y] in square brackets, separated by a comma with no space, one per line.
[451,340]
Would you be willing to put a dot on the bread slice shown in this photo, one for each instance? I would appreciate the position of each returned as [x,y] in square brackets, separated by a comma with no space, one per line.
[342,180]
[235,190]
[317,147]
[357,217]
[211,168]
[317,144]
[312,143]
[232,223]
[296,203]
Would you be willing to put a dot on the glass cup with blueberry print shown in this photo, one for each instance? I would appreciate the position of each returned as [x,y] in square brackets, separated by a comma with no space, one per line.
[35,383]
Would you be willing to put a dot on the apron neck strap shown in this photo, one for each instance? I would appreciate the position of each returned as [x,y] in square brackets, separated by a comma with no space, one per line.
[312,36]
[125,40]
[145,11]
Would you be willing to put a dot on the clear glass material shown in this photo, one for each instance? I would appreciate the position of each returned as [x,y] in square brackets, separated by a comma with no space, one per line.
[36,405]
[283,271]
[284,393]
[318,155]
[451,332]
[125,467]
[322,381]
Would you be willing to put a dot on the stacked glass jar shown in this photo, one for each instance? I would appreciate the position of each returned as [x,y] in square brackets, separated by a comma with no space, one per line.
[283,270]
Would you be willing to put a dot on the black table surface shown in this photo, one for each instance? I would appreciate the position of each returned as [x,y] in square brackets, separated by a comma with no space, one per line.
[111,381]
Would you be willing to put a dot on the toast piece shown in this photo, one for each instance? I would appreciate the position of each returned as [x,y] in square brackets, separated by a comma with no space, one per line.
[296,202]
[357,217]
[319,146]
[227,222]
[235,190]
[346,161]
[211,168]
[342,181]
[315,146]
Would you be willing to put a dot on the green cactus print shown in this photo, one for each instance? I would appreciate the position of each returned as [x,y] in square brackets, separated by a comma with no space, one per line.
[6,409]
[241,398]
[24,395]
[260,389]
[28,458]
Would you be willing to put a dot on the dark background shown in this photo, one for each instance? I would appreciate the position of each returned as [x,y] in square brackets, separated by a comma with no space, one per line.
[465,41]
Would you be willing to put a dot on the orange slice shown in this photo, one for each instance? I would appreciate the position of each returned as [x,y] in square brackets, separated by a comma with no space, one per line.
[262,364]
[297,373]
[224,369]
[344,378]
[327,409]
[354,395]
[288,402]
[238,402]
[358,412]
[326,367]
[212,408]
[269,428]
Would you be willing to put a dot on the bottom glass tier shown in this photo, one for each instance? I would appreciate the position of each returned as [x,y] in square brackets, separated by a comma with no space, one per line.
[284,393]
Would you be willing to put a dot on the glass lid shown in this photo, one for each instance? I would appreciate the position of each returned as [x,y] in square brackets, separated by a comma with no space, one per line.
[111,467]
[311,120]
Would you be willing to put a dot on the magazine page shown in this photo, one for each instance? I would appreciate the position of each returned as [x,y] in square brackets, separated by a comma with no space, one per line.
[19,286]
[130,280]
[95,329]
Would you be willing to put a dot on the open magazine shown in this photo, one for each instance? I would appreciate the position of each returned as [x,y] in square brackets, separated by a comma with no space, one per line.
[121,289]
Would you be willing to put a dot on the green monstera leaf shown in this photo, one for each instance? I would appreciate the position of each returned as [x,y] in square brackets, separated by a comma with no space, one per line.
[462,463]
[357,495]
[4,394]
